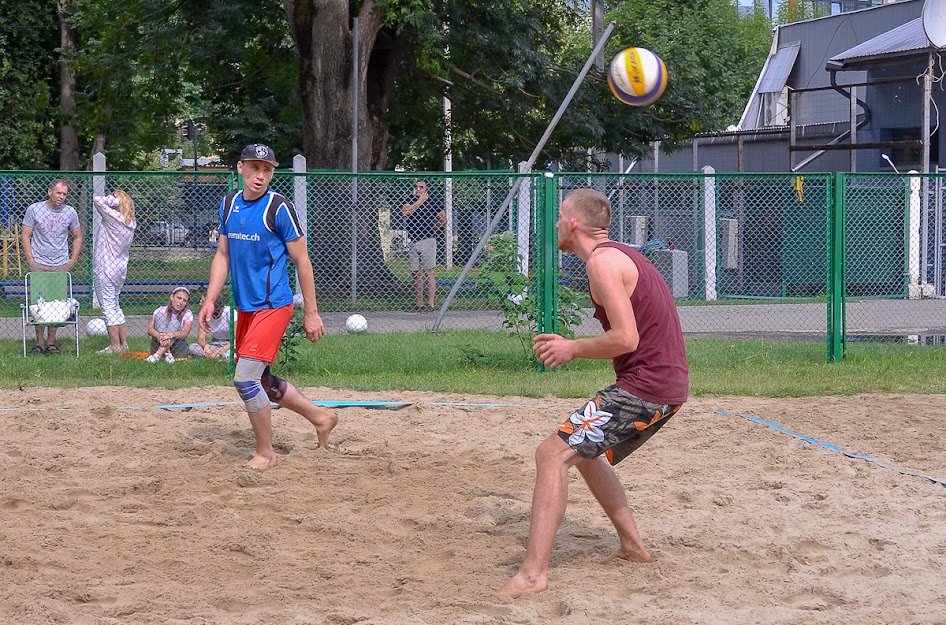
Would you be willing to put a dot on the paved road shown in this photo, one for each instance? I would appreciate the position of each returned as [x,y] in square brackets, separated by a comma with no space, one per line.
[864,317]
[775,321]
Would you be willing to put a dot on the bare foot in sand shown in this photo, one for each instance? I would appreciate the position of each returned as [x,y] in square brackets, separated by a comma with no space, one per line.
[632,554]
[261,463]
[325,421]
[522,584]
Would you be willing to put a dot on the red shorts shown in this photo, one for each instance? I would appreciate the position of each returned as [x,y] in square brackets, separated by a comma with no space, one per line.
[259,333]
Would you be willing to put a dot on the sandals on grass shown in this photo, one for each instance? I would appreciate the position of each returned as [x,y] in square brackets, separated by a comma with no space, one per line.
[52,349]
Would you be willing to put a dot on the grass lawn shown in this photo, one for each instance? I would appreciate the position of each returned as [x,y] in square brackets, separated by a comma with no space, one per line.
[481,362]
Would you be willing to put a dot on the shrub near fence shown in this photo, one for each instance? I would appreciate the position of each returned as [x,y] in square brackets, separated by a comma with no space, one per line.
[834,258]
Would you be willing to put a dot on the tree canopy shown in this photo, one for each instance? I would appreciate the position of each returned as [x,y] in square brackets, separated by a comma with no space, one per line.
[281,72]
[29,37]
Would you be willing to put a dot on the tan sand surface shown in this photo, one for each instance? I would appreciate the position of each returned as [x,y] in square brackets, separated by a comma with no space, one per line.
[115,511]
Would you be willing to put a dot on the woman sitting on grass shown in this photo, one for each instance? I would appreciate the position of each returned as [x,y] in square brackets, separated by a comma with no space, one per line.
[170,326]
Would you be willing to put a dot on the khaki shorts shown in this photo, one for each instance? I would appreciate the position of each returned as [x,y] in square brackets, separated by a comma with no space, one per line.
[423,254]
[40,267]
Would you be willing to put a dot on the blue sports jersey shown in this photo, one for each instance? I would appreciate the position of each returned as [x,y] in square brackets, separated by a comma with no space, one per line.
[257,233]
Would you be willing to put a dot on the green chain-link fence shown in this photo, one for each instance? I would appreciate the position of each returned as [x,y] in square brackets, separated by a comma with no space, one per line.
[174,212]
[358,240]
[832,258]
[891,260]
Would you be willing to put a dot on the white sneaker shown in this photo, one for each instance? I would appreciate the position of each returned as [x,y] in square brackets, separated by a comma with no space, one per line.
[152,358]
[169,358]
[107,350]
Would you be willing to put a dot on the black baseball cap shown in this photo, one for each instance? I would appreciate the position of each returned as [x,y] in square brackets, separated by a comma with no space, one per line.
[259,152]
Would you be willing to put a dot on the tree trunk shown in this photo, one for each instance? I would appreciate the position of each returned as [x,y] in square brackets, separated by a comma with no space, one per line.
[324,38]
[68,138]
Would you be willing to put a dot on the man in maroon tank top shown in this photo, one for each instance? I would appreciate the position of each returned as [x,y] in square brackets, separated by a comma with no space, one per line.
[643,337]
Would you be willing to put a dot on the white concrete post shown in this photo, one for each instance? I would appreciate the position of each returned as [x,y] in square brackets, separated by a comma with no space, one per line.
[448,183]
[300,197]
[524,214]
[709,233]
[448,211]
[914,288]
[98,188]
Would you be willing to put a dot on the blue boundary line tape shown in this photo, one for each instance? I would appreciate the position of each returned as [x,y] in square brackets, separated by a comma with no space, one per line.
[356,404]
[198,405]
[323,403]
[472,405]
[326,404]
[849,454]
[361,404]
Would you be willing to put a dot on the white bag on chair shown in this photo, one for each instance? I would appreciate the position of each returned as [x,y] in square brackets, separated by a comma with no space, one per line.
[53,311]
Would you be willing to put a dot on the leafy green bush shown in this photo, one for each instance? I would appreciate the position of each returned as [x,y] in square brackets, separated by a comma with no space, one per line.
[292,341]
[516,294]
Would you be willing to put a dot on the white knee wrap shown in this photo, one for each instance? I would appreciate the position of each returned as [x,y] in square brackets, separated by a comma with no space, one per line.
[246,379]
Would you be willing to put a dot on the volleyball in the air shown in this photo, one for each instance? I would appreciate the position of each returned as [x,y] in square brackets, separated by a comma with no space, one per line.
[637,76]
[356,323]
[96,327]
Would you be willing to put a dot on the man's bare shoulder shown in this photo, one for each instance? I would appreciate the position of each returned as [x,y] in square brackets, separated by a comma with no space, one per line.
[609,259]
[608,267]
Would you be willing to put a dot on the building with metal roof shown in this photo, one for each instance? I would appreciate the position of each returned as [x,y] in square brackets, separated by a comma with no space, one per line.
[836,94]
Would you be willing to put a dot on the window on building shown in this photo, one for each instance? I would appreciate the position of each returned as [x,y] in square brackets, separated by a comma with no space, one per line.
[908,156]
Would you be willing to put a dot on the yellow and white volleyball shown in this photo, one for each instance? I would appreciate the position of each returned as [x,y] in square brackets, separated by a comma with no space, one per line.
[96,327]
[356,323]
[637,76]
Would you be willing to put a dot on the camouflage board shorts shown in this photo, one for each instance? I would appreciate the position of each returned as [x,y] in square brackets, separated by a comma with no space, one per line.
[614,423]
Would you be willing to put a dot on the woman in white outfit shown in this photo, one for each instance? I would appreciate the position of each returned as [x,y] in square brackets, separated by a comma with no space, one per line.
[110,262]
[214,343]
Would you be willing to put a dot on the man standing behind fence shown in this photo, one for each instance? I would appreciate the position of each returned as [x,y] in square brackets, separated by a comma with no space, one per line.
[259,229]
[424,217]
[46,228]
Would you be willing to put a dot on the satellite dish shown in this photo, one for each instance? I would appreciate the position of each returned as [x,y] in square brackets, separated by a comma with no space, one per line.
[934,22]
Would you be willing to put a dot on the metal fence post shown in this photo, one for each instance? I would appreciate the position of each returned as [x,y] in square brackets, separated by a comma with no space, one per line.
[835,268]
[548,267]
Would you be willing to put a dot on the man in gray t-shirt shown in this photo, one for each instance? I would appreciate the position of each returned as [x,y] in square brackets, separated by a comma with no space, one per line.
[46,229]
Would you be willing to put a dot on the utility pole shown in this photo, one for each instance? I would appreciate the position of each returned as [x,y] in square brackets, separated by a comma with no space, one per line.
[191,133]
[597,28]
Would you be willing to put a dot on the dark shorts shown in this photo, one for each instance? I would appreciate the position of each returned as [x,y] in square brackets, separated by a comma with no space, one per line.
[614,423]
[178,349]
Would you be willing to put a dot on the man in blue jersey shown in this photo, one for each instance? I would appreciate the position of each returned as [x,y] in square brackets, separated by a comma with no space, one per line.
[259,230]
